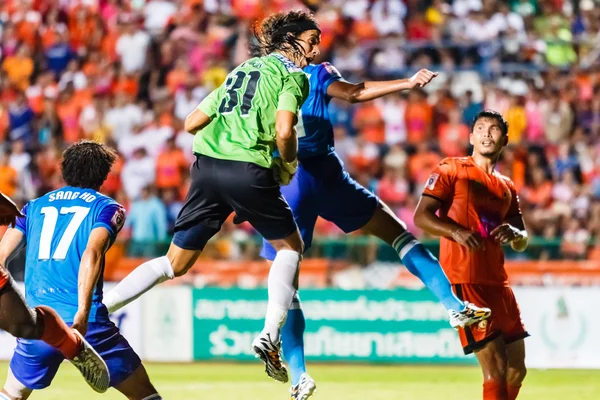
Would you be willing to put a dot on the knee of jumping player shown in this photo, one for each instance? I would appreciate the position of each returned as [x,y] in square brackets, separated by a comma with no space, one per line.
[181,260]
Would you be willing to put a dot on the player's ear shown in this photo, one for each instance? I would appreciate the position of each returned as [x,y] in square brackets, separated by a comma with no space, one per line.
[471,138]
[505,140]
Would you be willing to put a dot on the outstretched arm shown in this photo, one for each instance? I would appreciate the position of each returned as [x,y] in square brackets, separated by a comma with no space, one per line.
[370,90]
[203,114]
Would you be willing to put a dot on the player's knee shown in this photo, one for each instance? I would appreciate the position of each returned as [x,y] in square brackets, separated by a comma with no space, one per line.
[24,330]
[516,375]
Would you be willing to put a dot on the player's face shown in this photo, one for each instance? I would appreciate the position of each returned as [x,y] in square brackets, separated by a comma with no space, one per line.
[487,138]
[309,41]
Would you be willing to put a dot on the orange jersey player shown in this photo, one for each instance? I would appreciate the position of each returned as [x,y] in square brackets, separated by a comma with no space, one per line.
[478,213]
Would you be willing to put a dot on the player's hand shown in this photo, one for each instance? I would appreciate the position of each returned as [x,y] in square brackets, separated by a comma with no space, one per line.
[469,239]
[506,233]
[9,211]
[421,78]
[80,323]
[283,171]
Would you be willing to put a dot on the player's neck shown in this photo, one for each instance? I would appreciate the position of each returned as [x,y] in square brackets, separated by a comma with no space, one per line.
[488,164]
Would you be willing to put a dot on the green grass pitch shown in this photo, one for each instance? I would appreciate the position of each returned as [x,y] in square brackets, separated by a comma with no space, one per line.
[344,382]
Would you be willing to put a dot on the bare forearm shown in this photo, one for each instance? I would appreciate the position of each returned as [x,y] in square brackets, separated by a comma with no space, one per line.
[372,90]
[287,144]
[89,273]
[433,225]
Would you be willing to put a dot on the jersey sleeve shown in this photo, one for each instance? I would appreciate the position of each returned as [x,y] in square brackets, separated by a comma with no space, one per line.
[21,222]
[515,209]
[440,184]
[294,92]
[210,103]
[327,75]
[111,217]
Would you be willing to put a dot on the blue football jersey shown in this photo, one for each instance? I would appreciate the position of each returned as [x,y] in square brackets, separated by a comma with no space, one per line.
[314,129]
[57,227]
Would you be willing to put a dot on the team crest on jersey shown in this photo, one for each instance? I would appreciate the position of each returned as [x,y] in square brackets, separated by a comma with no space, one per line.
[118,219]
[331,69]
[433,178]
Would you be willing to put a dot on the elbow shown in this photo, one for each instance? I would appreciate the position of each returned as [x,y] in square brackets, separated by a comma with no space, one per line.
[188,125]
[354,96]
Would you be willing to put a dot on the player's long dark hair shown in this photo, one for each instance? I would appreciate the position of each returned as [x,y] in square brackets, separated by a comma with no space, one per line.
[86,164]
[279,32]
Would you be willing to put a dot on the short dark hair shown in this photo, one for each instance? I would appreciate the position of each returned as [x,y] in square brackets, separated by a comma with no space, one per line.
[491,114]
[279,32]
[86,164]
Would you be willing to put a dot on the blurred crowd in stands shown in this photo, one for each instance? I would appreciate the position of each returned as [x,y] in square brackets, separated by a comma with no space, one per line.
[127,73]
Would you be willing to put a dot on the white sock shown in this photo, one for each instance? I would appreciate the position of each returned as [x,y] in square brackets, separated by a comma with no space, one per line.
[281,290]
[155,396]
[138,282]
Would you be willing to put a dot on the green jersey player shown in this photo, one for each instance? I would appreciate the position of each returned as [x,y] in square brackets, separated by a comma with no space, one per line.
[237,129]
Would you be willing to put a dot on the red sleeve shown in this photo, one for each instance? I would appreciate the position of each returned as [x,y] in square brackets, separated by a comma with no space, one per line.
[514,210]
[440,184]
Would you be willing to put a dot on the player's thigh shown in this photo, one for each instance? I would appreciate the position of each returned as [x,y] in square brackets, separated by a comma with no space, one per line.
[347,204]
[204,210]
[302,198]
[16,317]
[14,389]
[137,386]
[517,370]
[255,196]
[492,358]
[384,224]
[121,360]
[478,335]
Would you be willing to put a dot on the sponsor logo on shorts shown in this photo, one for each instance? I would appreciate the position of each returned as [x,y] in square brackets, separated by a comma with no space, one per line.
[432,180]
[482,325]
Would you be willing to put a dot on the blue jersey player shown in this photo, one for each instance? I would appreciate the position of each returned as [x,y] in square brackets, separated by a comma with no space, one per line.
[322,188]
[66,234]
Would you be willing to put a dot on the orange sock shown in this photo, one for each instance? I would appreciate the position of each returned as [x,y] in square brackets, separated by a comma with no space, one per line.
[513,391]
[494,390]
[58,334]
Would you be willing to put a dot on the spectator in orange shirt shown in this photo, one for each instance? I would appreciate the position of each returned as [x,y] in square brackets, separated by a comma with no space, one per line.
[178,76]
[8,176]
[19,67]
[369,121]
[453,135]
[394,187]
[539,193]
[171,166]
[422,162]
[419,117]
[68,112]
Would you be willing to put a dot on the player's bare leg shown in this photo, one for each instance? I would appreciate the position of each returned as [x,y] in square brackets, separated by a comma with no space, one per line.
[493,360]
[420,262]
[43,323]
[282,287]
[517,370]
[138,386]
[177,262]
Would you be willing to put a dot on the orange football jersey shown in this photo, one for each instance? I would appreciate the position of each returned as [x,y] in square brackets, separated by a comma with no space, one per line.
[477,201]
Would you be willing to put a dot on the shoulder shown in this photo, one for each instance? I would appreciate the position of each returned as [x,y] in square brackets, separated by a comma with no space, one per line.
[506,180]
[288,65]
[452,164]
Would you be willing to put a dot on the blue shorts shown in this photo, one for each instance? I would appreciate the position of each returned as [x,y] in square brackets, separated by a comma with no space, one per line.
[35,363]
[321,187]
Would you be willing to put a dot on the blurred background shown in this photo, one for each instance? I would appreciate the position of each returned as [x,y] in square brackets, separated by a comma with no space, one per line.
[128,72]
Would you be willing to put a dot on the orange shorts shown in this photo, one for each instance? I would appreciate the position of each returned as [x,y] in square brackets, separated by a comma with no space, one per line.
[4,277]
[504,322]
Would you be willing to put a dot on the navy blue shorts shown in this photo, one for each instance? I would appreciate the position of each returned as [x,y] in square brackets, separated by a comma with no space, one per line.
[221,187]
[35,363]
[321,187]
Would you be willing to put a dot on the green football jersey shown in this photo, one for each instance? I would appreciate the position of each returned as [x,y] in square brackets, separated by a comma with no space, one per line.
[244,109]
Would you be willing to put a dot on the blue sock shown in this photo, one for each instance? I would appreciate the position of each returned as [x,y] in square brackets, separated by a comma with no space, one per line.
[421,263]
[292,337]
